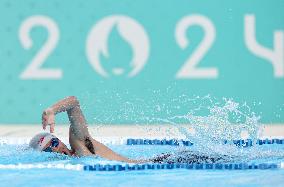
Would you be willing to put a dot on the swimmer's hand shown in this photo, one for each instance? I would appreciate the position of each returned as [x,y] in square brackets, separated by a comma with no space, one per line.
[48,118]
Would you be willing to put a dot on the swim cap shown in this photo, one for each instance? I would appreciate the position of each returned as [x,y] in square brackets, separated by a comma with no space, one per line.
[40,140]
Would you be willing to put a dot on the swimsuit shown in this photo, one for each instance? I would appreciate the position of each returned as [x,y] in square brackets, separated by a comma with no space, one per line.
[190,157]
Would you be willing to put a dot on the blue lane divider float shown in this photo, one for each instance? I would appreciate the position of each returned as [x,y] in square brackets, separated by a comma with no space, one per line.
[158,142]
[138,167]
[175,142]
[216,166]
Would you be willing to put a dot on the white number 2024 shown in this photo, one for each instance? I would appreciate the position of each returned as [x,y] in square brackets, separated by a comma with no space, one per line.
[188,70]
[274,56]
[33,71]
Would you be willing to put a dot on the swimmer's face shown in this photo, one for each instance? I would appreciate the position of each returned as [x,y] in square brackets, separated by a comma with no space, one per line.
[60,148]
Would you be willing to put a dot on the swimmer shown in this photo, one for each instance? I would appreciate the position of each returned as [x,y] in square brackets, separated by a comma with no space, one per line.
[83,144]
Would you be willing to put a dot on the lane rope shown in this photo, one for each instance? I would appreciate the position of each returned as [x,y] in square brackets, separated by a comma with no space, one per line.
[157,141]
[215,166]
[181,142]
[139,167]
[77,167]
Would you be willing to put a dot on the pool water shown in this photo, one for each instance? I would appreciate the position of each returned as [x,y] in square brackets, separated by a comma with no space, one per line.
[15,154]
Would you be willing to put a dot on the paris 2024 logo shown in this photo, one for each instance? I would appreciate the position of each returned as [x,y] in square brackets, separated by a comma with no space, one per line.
[131,31]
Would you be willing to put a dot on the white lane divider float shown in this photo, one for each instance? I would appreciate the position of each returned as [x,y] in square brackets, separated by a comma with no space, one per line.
[77,167]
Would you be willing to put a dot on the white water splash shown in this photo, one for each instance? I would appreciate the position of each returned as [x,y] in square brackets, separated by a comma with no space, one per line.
[212,119]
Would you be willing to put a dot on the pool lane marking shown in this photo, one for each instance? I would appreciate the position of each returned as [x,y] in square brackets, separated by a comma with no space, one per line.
[157,141]
[77,167]
[178,142]
[216,166]
[138,167]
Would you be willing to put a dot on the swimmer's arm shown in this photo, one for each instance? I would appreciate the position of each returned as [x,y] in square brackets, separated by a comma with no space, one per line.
[107,153]
[72,107]
[78,127]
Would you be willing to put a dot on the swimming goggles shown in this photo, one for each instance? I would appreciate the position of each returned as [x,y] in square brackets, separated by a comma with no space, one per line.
[54,143]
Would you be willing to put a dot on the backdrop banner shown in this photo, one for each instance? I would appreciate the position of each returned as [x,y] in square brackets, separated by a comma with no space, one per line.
[130,59]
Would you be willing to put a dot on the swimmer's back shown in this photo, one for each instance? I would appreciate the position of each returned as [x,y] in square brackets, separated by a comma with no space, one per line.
[190,157]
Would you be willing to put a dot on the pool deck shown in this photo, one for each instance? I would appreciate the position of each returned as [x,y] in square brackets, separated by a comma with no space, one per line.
[126,131]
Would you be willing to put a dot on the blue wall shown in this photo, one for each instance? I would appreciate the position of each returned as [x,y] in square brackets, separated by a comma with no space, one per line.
[109,52]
